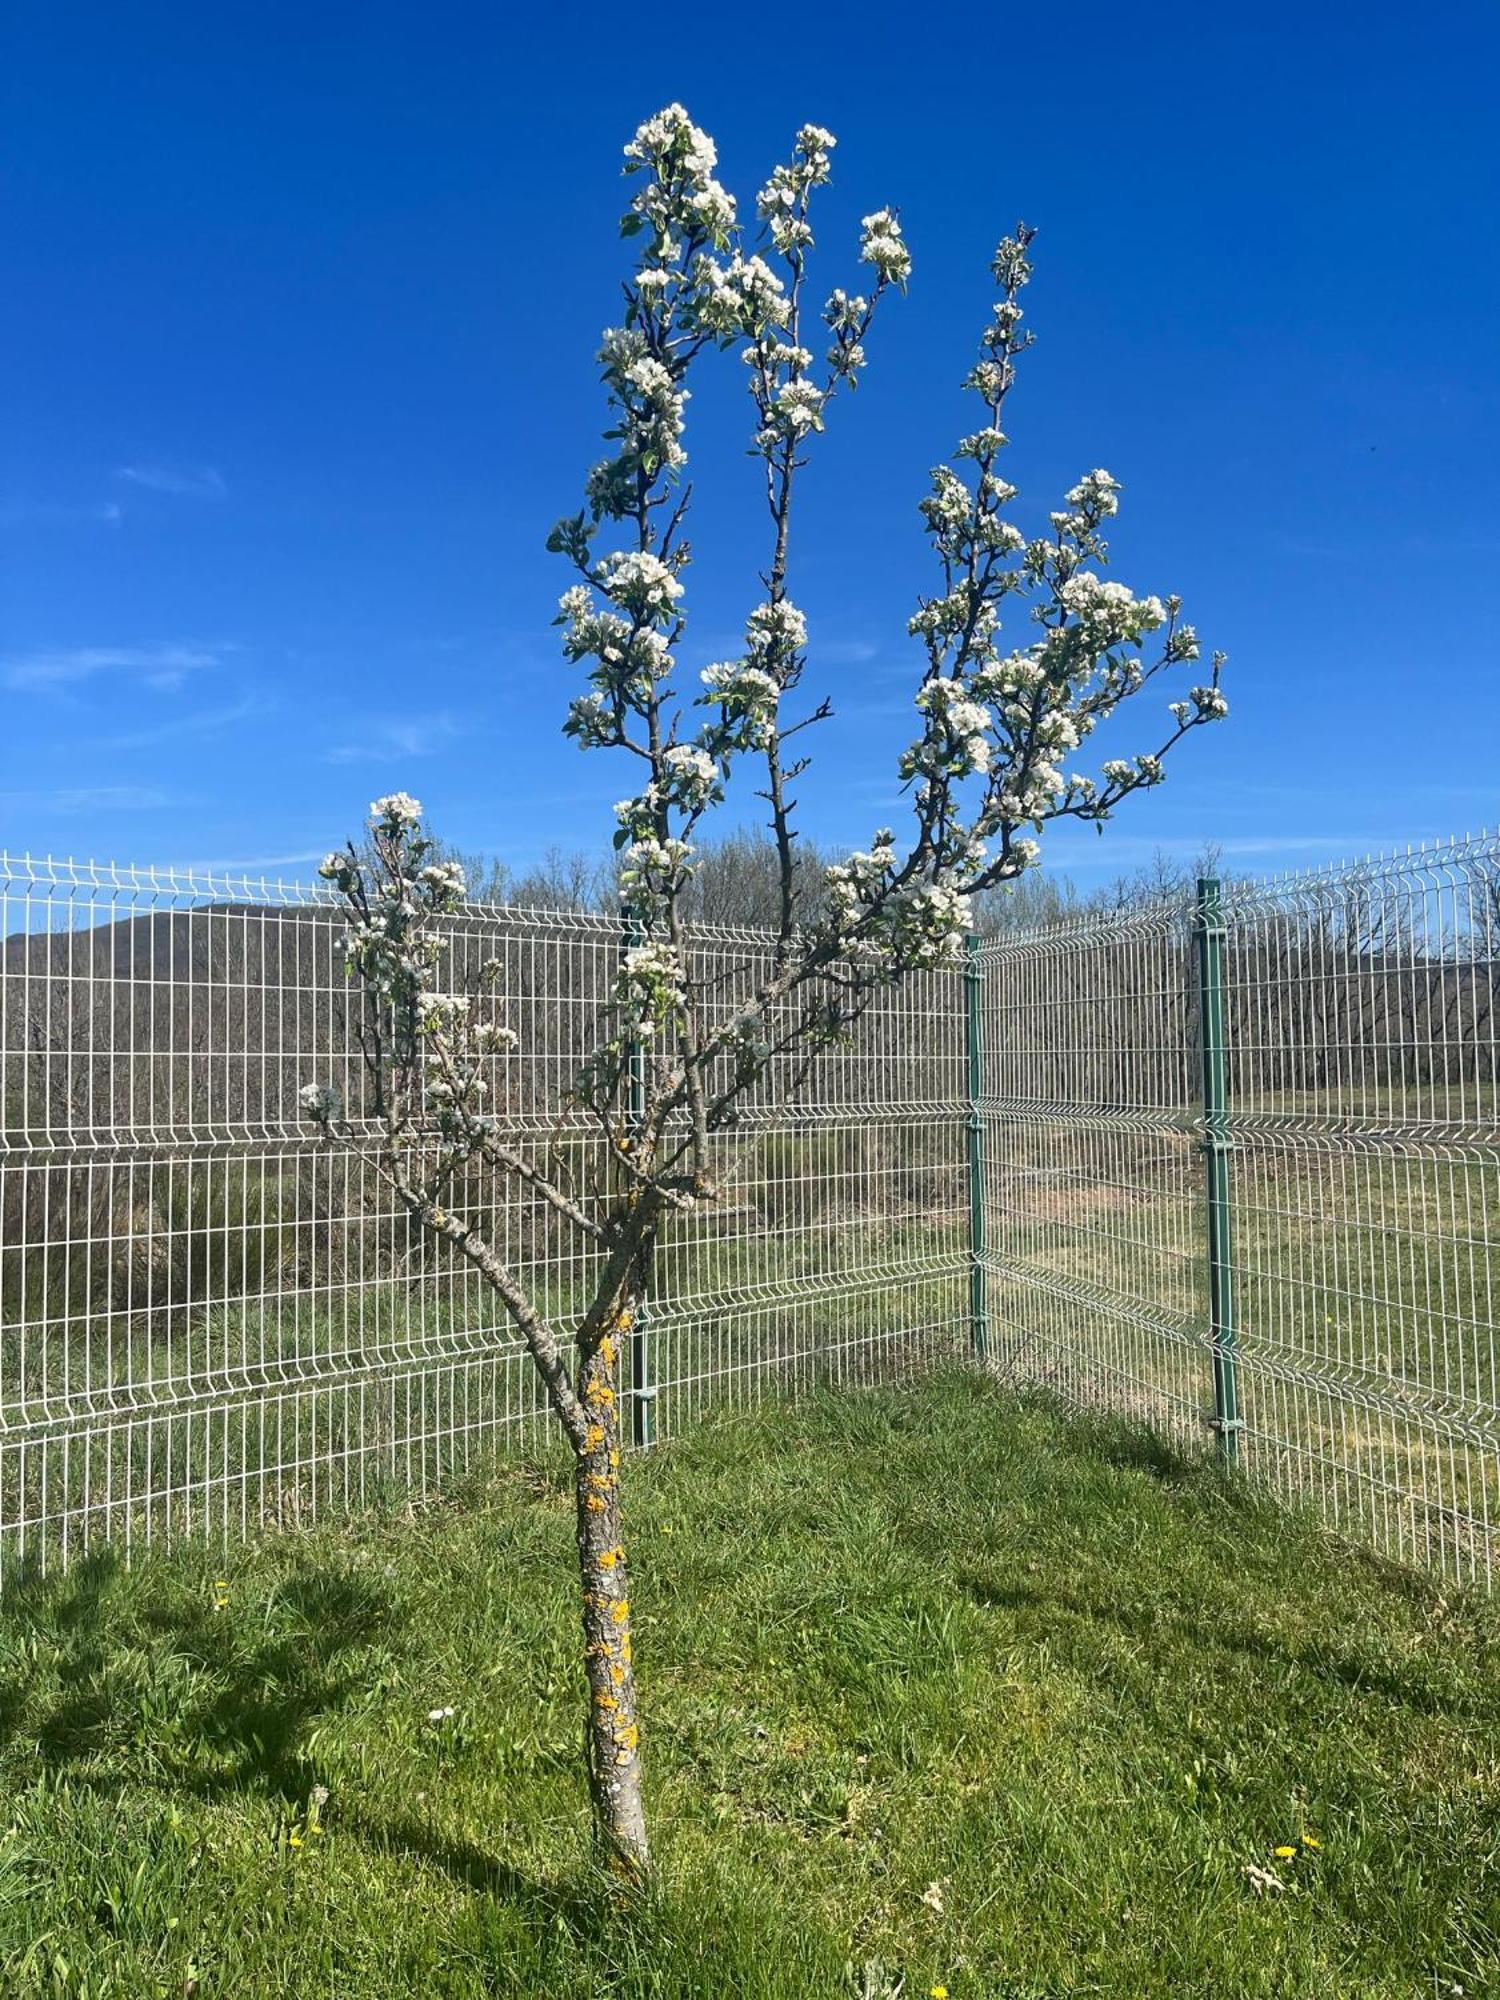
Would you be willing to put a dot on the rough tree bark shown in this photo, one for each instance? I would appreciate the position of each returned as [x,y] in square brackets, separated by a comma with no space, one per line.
[614,1758]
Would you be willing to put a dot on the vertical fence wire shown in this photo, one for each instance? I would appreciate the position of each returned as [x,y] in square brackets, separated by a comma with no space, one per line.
[974,1051]
[642,1391]
[1219,1233]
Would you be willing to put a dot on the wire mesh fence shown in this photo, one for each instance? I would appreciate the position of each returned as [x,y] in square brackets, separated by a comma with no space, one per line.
[1361,1197]
[210,1322]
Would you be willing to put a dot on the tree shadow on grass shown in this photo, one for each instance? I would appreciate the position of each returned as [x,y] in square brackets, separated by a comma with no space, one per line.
[165,1695]
[1162,1629]
[1133,1444]
[172,1680]
[1134,1448]
[575,1900]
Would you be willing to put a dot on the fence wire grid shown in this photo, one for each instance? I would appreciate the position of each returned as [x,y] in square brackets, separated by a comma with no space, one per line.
[211,1323]
[1362,1140]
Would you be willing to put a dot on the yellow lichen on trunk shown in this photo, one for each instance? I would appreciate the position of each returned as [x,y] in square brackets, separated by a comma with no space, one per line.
[614,1731]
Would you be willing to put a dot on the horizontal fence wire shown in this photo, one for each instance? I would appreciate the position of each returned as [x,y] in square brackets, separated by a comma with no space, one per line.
[210,1322]
[1363,1119]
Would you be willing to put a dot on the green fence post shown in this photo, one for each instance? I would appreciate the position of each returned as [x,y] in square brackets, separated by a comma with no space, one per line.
[1221,1333]
[979,1317]
[642,1389]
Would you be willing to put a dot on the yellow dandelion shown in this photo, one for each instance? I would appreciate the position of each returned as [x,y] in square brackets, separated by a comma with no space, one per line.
[939,1993]
[295,1840]
[1311,1840]
[1284,1853]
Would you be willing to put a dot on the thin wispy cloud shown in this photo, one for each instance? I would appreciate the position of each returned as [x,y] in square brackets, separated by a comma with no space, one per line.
[1116,850]
[205,722]
[22,513]
[253,865]
[188,482]
[93,798]
[161,667]
[843,652]
[388,740]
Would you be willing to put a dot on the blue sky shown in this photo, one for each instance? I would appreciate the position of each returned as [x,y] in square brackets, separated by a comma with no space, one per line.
[297,353]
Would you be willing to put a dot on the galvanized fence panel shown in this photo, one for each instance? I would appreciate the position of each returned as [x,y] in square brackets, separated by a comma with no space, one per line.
[1363,1086]
[1356,1169]
[209,1322]
[1093,1171]
[1232,1164]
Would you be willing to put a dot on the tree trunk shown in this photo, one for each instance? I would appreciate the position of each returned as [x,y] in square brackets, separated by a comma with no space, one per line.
[613,1733]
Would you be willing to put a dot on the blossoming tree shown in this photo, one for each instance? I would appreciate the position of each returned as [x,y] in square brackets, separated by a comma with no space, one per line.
[995,758]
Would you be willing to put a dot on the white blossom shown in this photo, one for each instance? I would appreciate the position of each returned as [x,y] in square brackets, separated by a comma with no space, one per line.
[438,1013]
[775,630]
[691,773]
[712,209]
[649,985]
[495,1037]
[321,1102]
[881,245]
[671,140]
[744,297]
[748,695]
[796,409]
[1096,493]
[396,809]
[444,882]
[639,582]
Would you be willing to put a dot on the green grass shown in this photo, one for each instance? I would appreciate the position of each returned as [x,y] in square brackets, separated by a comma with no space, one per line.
[889,1640]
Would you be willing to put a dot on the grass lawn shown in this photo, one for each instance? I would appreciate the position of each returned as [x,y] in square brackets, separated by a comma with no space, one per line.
[940,1686]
